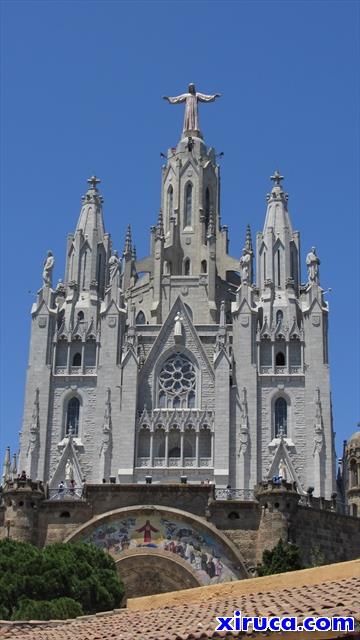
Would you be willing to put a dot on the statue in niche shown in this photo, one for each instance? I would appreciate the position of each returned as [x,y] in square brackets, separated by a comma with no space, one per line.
[48,269]
[191,117]
[69,470]
[312,263]
[114,263]
[282,470]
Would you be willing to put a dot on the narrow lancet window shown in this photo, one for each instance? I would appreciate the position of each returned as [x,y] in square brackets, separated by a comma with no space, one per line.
[188,205]
[170,204]
[280,417]
[72,417]
[76,360]
[278,268]
[140,318]
[207,208]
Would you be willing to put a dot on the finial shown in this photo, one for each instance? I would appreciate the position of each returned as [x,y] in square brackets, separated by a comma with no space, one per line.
[128,241]
[222,313]
[211,227]
[248,241]
[276,178]
[93,181]
[160,225]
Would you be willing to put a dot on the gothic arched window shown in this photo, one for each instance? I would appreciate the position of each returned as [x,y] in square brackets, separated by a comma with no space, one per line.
[187,267]
[76,360]
[177,383]
[353,474]
[203,266]
[188,205]
[207,208]
[170,203]
[280,417]
[191,400]
[72,416]
[279,316]
[140,318]
[280,359]
[278,268]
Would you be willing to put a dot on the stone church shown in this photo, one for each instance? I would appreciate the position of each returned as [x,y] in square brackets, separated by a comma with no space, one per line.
[186,378]
[189,361]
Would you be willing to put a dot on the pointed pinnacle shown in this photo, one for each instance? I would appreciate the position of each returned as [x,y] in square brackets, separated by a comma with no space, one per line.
[211,227]
[248,241]
[128,241]
[160,225]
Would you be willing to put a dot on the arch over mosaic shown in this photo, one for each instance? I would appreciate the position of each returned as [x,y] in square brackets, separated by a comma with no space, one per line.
[179,537]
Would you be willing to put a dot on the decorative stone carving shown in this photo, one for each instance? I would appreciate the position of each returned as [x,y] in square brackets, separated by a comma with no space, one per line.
[48,269]
[312,263]
[191,99]
[114,264]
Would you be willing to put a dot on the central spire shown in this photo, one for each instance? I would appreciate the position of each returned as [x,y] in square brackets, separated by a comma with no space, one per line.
[191,125]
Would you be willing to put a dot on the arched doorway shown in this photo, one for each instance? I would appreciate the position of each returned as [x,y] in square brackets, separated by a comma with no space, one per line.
[159,549]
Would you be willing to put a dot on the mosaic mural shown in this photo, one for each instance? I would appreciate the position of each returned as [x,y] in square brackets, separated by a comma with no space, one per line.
[206,555]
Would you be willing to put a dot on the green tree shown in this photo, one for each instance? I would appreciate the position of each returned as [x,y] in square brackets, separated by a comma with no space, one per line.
[283,557]
[60,581]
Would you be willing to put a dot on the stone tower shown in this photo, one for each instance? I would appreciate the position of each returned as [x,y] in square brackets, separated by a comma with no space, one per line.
[351,473]
[184,362]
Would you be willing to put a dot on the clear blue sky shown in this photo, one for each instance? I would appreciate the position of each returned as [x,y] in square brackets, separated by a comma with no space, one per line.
[81,93]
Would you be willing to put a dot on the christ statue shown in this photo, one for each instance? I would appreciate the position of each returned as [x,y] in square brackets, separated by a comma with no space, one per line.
[191,118]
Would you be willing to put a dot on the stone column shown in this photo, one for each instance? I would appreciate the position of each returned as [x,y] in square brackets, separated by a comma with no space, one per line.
[287,358]
[273,357]
[166,448]
[68,359]
[151,448]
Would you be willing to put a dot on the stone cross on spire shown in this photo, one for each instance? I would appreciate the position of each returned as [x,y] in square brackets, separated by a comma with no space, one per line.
[93,181]
[191,117]
[276,178]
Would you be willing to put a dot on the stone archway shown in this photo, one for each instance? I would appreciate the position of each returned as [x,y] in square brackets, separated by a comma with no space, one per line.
[148,571]
[159,549]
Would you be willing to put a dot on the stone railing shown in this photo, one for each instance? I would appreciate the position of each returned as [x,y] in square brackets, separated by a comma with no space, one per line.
[66,493]
[182,418]
[234,494]
[266,370]
[174,462]
[75,371]
[283,371]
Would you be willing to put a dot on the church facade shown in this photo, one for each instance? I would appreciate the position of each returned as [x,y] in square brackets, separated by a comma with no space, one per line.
[188,362]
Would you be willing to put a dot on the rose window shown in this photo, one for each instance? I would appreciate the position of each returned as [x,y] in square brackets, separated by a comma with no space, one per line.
[177,381]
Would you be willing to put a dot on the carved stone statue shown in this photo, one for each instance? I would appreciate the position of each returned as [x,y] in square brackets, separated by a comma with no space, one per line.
[178,326]
[282,470]
[114,263]
[312,263]
[245,261]
[69,470]
[191,117]
[48,269]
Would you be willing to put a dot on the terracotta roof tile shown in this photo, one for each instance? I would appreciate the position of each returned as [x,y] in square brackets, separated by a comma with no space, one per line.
[196,620]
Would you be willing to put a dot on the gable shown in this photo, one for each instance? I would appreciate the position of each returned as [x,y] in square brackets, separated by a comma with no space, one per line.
[165,344]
